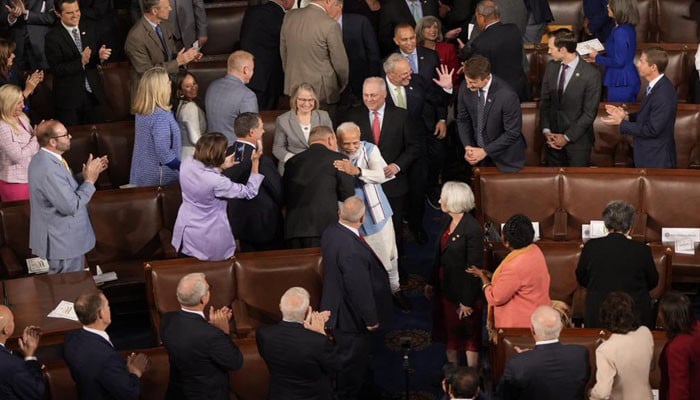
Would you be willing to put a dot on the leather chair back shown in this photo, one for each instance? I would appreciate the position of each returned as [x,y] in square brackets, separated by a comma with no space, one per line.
[116,81]
[224,22]
[116,140]
[14,238]
[252,381]
[673,22]
[534,138]
[208,70]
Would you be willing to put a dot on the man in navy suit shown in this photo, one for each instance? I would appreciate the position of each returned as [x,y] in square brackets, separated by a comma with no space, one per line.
[201,352]
[489,119]
[651,127]
[19,379]
[98,370]
[551,370]
[356,292]
[297,351]
[257,223]
[74,52]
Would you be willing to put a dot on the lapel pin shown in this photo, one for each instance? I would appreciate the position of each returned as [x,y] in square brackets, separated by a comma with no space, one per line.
[578,74]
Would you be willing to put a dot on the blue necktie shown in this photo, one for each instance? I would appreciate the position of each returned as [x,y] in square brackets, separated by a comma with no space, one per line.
[159,32]
[79,45]
[648,91]
[413,61]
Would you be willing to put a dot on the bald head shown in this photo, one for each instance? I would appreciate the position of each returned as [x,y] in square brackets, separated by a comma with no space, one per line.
[351,211]
[192,290]
[546,323]
[7,325]
[294,304]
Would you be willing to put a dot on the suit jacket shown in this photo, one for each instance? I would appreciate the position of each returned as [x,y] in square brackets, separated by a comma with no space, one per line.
[98,370]
[312,51]
[551,371]
[360,41]
[394,12]
[257,220]
[312,190]
[574,112]
[34,29]
[355,284]
[465,247]
[226,98]
[59,225]
[618,58]
[504,142]
[502,45]
[398,142]
[145,51]
[290,139]
[615,263]
[101,15]
[19,379]
[260,36]
[66,65]
[201,356]
[188,20]
[653,142]
[512,12]
[540,11]
[679,363]
[599,23]
[299,360]
[425,102]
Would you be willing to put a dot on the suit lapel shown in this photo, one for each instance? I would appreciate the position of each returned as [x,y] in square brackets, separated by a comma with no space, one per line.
[489,101]
[574,82]
[455,235]
[69,40]
[296,128]
[151,33]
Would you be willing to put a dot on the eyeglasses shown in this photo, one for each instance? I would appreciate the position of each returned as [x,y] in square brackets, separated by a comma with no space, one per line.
[306,100]
[60,136]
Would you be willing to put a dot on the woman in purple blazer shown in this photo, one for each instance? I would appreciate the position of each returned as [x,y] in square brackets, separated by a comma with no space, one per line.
[621,76]
[202,229]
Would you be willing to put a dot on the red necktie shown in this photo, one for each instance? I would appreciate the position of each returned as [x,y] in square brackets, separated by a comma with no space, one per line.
[376,129]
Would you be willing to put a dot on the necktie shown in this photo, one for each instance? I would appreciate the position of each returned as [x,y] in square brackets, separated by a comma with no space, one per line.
[166,52]
[376,129]
[414,63]
[79,45]
[647,91]
[415,11]
[400,100]
[65,164]
[562,79]
[480,118]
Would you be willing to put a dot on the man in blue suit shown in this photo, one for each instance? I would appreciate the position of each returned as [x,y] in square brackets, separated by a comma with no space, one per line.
[356,292]
[59,226]
[98,370]
[19,379]
[652,127]
[551,370]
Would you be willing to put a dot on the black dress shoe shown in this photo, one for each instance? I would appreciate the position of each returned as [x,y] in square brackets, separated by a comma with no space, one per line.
[402,302]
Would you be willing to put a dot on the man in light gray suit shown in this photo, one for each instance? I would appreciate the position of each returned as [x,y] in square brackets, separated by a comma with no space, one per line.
[229,96]
[188,21]
[568,103]
[60,230]
[312,50]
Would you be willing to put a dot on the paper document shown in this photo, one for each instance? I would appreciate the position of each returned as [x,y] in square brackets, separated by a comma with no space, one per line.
[37,265]
[598,229]
[586,47]
[535,226]
[64,310]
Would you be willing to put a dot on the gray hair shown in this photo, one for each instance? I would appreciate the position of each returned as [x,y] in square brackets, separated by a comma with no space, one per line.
[546,323]
[191,289]
[377,81]
[489,9]
[390,62]
[347,127]
[320,132]
[618,216]
[294,304]
[457,197]
[352,209]
[427,22]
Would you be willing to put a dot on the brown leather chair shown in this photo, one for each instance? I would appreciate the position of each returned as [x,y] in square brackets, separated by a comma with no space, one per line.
[117,88]
[673,22]
[252,381]
[646,28]
[163,276]
[567,12]
[170,201]
[208,70]
[14,238]
[534,138]
[687,135]
[269,119]
[262,278]
[224,22]
[116,141]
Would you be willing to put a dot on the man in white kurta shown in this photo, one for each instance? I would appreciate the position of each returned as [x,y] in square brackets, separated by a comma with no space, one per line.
[367,165]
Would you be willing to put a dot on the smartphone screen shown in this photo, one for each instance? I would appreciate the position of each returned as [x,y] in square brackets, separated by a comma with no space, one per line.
[239,153]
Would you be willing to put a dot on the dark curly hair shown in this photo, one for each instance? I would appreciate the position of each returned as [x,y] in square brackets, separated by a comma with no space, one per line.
[518,231]
[617,313]
[677,313]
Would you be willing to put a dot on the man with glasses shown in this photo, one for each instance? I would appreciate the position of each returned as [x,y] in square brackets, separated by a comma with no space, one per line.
[60,230]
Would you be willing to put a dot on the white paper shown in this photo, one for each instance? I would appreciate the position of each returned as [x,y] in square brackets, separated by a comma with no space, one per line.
[598,229]
[669,235]
[64,310]
[684,246]
[106,277]
[585,232]
[37,265]
[470,28]
[535,226]
[586,47]
[655,394]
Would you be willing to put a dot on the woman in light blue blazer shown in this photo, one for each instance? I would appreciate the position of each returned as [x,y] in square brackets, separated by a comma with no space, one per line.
[292,128]
[621,76]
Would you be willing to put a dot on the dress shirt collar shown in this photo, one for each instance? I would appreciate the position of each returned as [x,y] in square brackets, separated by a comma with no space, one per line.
[543,342]
[317,5]
[655,80]
[150,23]
[489,25]
[340,21]
[572,65]
[99,333]
[201,314]
[293,322]
[280,6]
[380,111]
[392,90]
[70,29]
[58,156]
[354,230]
[248,143]
[414,53]
[487,87]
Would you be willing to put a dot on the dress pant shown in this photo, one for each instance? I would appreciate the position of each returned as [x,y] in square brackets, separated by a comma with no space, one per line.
[87,112]
[66,265]
[354,350]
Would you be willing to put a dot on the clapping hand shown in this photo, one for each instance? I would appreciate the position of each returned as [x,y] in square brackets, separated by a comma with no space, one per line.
[316,321]
[94,167]
[220,318]
[137,364]
[29,341]
[17,9]
[104,53]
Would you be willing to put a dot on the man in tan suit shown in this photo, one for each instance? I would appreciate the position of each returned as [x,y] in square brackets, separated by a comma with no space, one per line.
[150,43]
[312,50]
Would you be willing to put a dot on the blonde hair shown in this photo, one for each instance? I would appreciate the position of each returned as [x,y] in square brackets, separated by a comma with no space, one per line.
[10,97]
[153,92]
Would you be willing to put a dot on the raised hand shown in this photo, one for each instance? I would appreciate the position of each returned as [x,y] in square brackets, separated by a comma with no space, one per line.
[444,79]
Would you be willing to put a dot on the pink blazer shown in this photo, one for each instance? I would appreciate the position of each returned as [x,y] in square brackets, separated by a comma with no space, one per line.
[521,285]
[17,147]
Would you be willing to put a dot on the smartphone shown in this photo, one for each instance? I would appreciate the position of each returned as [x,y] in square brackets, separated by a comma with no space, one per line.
[238,156]
[196,45]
